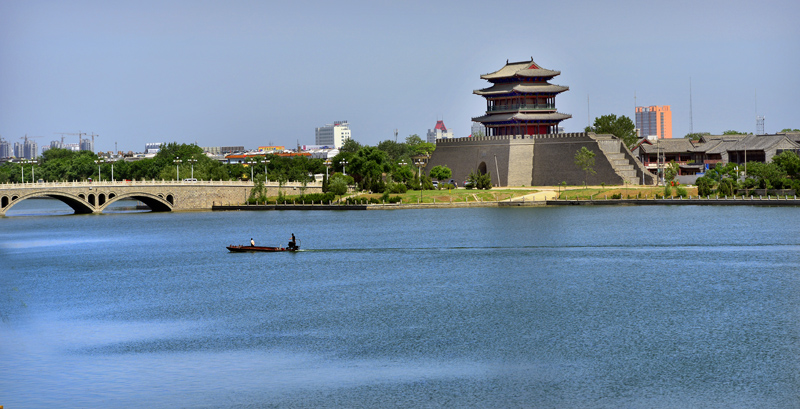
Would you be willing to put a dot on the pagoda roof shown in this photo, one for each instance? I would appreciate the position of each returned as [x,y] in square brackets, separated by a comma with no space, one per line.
[520,69]
[440,126]
[507,88]
[522,117]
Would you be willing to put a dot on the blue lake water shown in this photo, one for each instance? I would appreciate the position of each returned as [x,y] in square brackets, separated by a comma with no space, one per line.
[591,307]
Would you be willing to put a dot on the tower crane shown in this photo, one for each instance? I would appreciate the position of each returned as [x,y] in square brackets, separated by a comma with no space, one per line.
[93,135]
[80,134]
[62,137]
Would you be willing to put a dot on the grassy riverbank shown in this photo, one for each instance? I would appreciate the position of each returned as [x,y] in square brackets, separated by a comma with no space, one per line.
[518,193]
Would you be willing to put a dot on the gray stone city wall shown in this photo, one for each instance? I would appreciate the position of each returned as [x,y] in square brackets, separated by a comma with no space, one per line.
[554,162]
[530,160]
[467,154]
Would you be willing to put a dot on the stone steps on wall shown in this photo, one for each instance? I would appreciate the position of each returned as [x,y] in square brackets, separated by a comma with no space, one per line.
[622,164]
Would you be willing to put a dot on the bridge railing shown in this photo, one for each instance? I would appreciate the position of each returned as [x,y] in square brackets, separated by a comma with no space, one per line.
[116,183]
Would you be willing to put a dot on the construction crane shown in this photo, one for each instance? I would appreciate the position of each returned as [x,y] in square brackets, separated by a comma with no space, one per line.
[80,134]
[62,137]
[93,135]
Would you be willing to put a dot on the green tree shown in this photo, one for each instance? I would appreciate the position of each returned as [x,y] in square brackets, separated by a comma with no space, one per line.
[584,159]
[396,151]
[479,181]
[732,132]
[338,183]
[413,140]
[766,175]
[403,174]
[419,146]
[784,130]
[671,171]
[789,162]
[441,172]
[367,167]
[350,146]
[485,181]
[705,185]
[622,127]
[696,136]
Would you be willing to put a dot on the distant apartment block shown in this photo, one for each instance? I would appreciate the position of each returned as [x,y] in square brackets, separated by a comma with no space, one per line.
[152,147]
[5,149]
[438,132]
[654,122]
[222,150]
[333,135]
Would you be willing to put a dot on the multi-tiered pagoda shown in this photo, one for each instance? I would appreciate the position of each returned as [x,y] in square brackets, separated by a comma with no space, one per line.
[521,101]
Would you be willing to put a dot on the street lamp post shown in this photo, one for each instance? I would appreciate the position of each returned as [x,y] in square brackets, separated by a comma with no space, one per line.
[419,163]
[98,162]
[192,161]
[327,165]
[251,163]
[344,167]
[402,163]
[266,174]
[177,169]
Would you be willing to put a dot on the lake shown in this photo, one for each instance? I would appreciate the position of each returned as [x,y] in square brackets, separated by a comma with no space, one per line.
[558,307]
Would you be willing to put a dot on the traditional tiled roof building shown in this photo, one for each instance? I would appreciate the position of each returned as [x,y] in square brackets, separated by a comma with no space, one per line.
[521,101]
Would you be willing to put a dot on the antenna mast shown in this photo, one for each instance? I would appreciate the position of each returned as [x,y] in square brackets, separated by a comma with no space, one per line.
[691,120]
[588,116]
[759,119]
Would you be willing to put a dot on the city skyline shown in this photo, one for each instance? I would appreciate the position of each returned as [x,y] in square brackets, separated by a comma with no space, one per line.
[252,74]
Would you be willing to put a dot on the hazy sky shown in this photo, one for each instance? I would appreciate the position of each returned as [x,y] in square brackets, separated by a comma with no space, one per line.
[253,73]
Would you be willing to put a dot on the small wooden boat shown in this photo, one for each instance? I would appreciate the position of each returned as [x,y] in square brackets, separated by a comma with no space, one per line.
[253,249]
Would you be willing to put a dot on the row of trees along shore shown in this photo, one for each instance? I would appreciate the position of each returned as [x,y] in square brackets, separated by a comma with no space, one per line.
[389,166]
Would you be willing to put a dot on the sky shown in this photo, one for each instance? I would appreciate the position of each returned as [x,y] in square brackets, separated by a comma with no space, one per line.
[256,73]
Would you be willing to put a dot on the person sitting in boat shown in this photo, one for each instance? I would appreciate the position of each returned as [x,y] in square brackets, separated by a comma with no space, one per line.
[252,243]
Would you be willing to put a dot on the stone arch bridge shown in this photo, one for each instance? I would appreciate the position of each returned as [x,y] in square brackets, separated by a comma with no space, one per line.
[159,196]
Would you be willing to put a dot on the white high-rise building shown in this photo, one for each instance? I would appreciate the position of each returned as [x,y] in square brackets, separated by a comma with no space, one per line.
[438,132]
[333,135]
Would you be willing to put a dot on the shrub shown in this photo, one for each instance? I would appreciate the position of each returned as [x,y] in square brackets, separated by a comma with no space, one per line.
[396,188]
[316,197]
[616,196]
[704,185]
[681,191]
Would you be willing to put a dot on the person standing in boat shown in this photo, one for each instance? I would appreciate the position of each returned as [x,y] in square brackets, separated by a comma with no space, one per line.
[293,242]
[252,243]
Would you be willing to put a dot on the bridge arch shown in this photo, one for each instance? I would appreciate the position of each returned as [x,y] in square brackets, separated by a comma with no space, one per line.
[154,202]
[76,202]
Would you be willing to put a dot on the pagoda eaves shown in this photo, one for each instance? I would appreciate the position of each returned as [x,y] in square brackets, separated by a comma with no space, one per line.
[521,101]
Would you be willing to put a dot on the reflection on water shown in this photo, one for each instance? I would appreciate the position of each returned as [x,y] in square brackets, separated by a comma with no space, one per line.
[430,308]
[54,207]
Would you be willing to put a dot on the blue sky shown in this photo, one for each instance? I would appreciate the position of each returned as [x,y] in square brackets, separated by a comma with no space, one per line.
[255,73]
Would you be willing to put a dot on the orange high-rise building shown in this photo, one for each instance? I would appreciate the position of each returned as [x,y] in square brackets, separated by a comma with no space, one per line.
[654,121]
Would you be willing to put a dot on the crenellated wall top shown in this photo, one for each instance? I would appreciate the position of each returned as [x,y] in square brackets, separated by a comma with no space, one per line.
[560,136]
